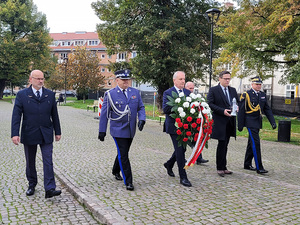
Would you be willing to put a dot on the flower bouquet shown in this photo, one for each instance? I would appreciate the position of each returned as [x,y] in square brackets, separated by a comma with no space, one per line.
[193,120]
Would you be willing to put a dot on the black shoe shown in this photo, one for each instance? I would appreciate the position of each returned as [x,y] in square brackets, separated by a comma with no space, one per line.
[262,171]
[249,168]
[169,170]
[52,192]
[202,161]
[129,187]
[30,191]
[118,176]
[185,182]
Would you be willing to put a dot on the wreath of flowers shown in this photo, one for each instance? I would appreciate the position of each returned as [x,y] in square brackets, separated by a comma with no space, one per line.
[193,120]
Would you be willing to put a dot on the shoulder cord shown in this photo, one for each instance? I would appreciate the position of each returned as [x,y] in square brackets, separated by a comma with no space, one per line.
[118,112]
[250,105]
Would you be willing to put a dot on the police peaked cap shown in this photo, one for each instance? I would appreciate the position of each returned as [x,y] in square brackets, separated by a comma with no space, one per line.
[123,74]
[256,80]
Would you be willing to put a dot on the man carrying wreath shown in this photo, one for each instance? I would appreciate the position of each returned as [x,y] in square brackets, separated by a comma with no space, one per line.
[169,127]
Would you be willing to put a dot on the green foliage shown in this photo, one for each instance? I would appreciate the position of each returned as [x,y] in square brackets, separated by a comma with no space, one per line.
[167,36]
[24,41]
[258,33]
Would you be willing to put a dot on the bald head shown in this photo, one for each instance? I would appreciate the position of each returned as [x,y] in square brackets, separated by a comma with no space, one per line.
[36,78]
[190,86]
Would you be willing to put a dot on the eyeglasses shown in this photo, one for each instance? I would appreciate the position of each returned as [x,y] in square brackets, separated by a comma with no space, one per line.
[41,79]
[226,78]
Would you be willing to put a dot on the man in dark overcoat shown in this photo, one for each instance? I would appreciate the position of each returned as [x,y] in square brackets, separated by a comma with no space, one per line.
[252,105]
[36,106]
[219,99]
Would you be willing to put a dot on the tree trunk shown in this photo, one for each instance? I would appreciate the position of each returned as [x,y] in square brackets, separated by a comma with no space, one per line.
[2,86]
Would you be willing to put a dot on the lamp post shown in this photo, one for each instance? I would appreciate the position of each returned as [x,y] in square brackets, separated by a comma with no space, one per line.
[65,64]
[212,16]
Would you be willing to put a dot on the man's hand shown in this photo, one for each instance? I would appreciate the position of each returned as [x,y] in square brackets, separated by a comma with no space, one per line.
[15,140]
[227,112]
[101,136]
[57,137]
[141,124]
[274,126]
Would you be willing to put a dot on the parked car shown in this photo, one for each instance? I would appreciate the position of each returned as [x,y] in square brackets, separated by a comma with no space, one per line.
[7,92]
[68,93]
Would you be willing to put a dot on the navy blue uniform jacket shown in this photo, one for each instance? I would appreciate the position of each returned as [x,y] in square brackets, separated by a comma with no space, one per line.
[40,117]
[169,125]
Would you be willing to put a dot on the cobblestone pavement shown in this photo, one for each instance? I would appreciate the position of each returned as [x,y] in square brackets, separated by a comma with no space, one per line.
[83,164]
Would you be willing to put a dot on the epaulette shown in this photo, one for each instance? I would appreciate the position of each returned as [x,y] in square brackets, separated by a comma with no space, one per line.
[243,96]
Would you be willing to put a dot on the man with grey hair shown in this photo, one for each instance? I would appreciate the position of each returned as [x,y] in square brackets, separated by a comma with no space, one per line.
[169,127]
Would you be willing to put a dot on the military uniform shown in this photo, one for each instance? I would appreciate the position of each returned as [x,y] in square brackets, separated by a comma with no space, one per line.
[252,105]
[122,110]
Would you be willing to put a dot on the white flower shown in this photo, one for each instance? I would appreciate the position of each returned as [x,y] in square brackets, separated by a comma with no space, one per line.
[205,111]
[182,114]
[189,99]
[204,104]
[186,105]
[200,115]
[199,96]
[177,100]
[196,104]
[192,111]
[180,109]
[181,94]
[193,96]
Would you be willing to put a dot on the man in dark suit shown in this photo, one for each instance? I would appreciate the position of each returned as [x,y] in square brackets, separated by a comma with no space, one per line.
[219,99]
[122,105]
[253,103]
[169,128]
[37,106]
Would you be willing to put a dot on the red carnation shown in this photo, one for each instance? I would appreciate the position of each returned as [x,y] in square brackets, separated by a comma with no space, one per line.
[198,128]
[194,125]
[178,120]
[185,126]
[198,121]
[180,124]
[178,132]
[189,119]
[185,139]
[189,133]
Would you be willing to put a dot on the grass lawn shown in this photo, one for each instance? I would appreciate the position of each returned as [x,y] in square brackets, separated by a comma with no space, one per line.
[267,133]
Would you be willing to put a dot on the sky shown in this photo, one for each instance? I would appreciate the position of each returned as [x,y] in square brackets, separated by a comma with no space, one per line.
[69,15]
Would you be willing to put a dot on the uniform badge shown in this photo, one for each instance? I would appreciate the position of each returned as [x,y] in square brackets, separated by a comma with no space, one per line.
[133,97]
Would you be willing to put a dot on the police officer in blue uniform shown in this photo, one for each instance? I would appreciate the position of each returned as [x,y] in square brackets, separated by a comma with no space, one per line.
[122,105]
[253,104]
[36,105]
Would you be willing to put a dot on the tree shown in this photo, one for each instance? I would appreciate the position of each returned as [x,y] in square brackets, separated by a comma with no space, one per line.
[168,35]
[264,35]
[83,71]
[24,41]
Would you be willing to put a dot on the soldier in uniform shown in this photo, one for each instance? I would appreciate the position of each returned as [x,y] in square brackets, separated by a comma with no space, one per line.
[253,104]
[122,105]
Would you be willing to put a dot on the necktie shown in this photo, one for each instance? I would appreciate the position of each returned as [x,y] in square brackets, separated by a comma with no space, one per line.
[227,96]
[179,90]
[38,94]
[124,92]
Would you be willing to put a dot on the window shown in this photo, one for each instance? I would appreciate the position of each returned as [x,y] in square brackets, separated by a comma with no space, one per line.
[228,66]
[102,69]
[93,43]
[121,57]
[102,56]
[133,54]
[290,91]
[78,43]
[63,55]
[108,83]
[109,56]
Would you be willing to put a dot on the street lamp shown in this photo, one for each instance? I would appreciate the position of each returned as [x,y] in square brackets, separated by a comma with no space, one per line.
[212,16]
[65,61]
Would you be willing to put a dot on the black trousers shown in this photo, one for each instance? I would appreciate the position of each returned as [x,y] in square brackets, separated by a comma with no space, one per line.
[31,174]
[222,148]
[253,149]
[178,156]
[122,162]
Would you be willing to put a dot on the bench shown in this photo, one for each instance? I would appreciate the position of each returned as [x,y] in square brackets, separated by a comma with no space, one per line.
[94,106]
[161,117]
